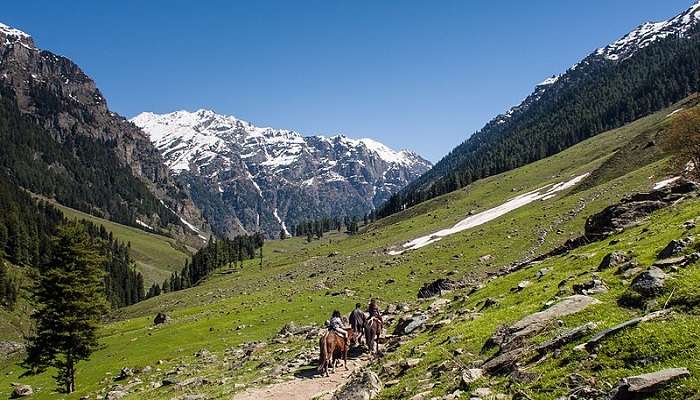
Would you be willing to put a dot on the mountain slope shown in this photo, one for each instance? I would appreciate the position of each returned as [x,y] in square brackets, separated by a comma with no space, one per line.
[246,178]
[60,140]
[650,68]
[236,314]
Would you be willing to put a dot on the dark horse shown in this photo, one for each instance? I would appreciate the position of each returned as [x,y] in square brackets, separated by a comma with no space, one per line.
[373,329]
[357,322]
[332,347]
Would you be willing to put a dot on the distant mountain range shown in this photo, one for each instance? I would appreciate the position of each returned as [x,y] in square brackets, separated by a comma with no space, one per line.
[648,69]
[246,178]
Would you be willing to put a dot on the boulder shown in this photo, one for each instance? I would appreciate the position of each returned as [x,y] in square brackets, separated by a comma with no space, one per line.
[674,248]
[20,390]
[565,338]
[521,286]
[115,395]
[592,286]
[599,337]
[206,356]
[649,283]
[161,318]
[9,349]
[410,324]
[614,259]
[635,387]
[504,362]
[631,209]
[471,375]
[363,385]
[511,337]
[436,288]
[124,373]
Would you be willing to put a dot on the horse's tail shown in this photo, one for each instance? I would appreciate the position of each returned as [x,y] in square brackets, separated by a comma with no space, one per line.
[323,356]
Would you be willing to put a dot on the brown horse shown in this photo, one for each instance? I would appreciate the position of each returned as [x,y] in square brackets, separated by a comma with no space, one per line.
[373,329]
[332,348]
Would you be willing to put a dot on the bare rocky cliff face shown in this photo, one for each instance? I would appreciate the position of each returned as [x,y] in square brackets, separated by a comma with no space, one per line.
[66,103]
[247,178]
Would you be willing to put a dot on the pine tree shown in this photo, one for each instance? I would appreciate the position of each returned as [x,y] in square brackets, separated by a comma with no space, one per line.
[70,300]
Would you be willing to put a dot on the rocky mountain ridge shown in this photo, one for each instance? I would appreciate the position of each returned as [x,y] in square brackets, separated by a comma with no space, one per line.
[273,178]
[55,94]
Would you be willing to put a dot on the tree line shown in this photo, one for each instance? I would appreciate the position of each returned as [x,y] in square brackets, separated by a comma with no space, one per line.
[596,96]
[27,229]
[216,254]
[316,228]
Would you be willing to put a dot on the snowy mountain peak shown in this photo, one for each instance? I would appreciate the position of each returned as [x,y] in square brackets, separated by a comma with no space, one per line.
[270,177]
[10,31]
[650,32]
[10,35]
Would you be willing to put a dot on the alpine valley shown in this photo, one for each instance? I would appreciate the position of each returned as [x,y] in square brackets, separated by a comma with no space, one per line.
[553,255]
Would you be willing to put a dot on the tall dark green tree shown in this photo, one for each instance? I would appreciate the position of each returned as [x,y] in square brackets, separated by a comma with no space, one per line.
[69,299]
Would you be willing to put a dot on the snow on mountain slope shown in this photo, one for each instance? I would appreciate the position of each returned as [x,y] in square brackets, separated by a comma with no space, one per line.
[279,174]
[650,32]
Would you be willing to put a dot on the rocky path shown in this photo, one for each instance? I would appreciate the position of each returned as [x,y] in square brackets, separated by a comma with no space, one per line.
[305,388]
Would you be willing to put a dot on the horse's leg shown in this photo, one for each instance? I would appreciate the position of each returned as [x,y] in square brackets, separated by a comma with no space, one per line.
[345,357]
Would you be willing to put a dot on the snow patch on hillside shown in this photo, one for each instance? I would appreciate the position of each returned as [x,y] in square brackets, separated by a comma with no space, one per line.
[543,193]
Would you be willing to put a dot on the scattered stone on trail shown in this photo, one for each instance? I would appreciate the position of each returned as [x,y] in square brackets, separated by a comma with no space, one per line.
[565,338]
[407,325]
[689,224]
[436,288]
[470,376]
[632,209]
[599,337]
[649,283]
[161,318]
[637,386]
[115,395]
[614,259]
[511,337]
[20,390]
[675,248]
[592,286]
[363,385]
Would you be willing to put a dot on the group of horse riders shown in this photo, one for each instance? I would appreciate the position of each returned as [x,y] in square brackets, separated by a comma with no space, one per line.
[335,343]
[358,321]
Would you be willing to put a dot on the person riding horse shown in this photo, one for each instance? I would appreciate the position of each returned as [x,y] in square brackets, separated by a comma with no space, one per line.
[357,321]
[373,310]
[336,325]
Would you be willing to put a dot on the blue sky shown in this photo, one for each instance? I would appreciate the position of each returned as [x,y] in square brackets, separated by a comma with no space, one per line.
[422,75]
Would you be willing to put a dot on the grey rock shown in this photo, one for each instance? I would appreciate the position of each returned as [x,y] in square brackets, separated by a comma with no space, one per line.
[21,390]
[9,349]
[161,318]
[363,385]
[566,337]
[601,336]
[614,259]
[436,288]
[471,375]
[633,387]
[674,248]
[409,325]
[649,283]
[115,395]
[592,286]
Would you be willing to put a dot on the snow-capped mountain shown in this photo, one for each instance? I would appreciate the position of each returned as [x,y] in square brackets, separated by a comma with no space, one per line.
[273,178]
[650,32]
[646,70]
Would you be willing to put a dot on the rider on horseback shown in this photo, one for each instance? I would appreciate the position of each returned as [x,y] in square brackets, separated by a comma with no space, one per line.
[373,310]
[336,325]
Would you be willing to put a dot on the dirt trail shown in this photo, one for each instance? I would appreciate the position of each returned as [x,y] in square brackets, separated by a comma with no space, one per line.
[304,388]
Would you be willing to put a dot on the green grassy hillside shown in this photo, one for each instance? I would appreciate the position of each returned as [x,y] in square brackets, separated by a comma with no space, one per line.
[156,256]
[303,282]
